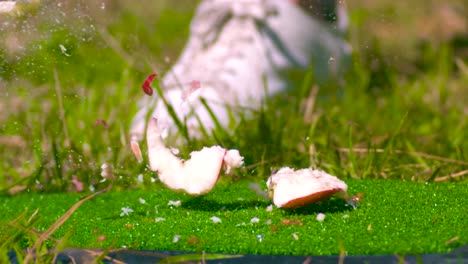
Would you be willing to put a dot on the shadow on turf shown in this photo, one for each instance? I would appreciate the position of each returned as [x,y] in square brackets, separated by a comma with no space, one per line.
[326,206]
[201,203]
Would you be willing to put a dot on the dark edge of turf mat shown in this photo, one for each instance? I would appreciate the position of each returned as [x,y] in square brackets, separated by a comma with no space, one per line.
[459,255]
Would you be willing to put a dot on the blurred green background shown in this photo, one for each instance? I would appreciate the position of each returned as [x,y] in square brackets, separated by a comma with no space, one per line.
[65,64]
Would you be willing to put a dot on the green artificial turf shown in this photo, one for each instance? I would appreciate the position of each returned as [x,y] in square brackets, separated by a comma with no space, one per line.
[395,217]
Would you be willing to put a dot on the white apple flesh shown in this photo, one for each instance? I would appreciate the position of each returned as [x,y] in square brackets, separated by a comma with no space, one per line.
[196,176]
[296,188]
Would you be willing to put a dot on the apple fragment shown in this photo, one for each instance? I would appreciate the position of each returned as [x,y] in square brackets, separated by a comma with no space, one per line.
[196,176]
[136,149]
[233,159]
[291,188]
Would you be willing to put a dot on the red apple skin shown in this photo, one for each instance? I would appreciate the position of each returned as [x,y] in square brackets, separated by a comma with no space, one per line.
[310,199]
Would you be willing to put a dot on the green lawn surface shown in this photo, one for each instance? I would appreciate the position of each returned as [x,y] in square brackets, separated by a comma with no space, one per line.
[395,217]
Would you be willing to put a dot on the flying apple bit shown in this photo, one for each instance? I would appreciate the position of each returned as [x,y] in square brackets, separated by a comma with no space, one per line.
[291,188]
[232,160]
[196,176]
[136,149]
[146,86]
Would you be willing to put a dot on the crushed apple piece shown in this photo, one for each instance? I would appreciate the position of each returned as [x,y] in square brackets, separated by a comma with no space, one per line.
[292,189]
[196,176]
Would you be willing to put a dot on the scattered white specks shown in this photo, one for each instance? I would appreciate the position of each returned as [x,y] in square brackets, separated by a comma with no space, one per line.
[260,238]
[215,219]
[140,178]
[176,239]
[153,179]
[268,222]
[159,219]
[141,200]
[64,50]
[346,216]
[254,220]
[174,203]
[91,188]
[269,208]
[241,224]
[296,237]
[126,210]
[156,209]
[320,217]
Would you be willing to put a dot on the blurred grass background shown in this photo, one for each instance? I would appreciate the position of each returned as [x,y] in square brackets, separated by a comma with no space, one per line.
[64,65]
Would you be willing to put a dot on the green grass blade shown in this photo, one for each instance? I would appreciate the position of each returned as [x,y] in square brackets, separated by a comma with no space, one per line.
[170,109]
[418,158]
[390,145]
[219,128]
[351,155]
